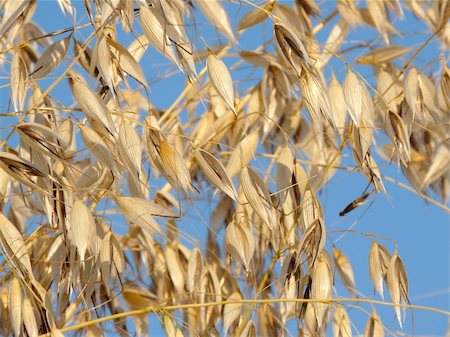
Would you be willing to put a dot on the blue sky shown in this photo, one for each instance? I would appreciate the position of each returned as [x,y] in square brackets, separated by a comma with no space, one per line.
[420,229]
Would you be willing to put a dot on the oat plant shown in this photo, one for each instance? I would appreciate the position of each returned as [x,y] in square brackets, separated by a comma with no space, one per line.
[165,161]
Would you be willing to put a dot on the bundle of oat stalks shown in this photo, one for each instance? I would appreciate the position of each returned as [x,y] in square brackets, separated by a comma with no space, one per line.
[92,192]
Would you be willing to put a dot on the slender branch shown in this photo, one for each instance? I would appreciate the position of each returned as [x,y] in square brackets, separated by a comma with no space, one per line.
[158,309]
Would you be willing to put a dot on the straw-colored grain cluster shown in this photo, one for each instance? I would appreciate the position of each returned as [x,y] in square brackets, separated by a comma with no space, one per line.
[102,192]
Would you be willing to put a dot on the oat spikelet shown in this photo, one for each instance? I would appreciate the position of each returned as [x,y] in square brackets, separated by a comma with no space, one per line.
[215,172]
[341,323]
[216,14]
[12,13]
[344,269]
[140,212]
[242,154]
[98,148]
[221,80]
[383,54]
[322,283]
[18,80]
[21,169]
[155,32]
[15,306]
[130,148]
[258,196]
[29,318]
[231,311]
[374,326]
[379,258]
[175,166]
[91,104]
[14,247]
[51,58]
[291,49]
[439,166]
[359,101]
[126,62]
[349,11]
[111,258]
[312,242]
[169,328]
[195,269]
[82,225]
[338,105]
[399,135]
[255,16]
[175,268]
[315,96]
[239,243]
[397,284]
[285,171]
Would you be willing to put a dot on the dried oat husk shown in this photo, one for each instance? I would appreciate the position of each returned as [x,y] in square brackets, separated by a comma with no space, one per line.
[242,154]
[15,306]
[341,325]
[18,79]
[216,173]
[51,58]
[321,287]
[374,326]
[216,14]
[14,248]
[345,270]
[240,242]
[291,49]
[257,195]
[221,80]
[379,258]
[255,16]
[397,284]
